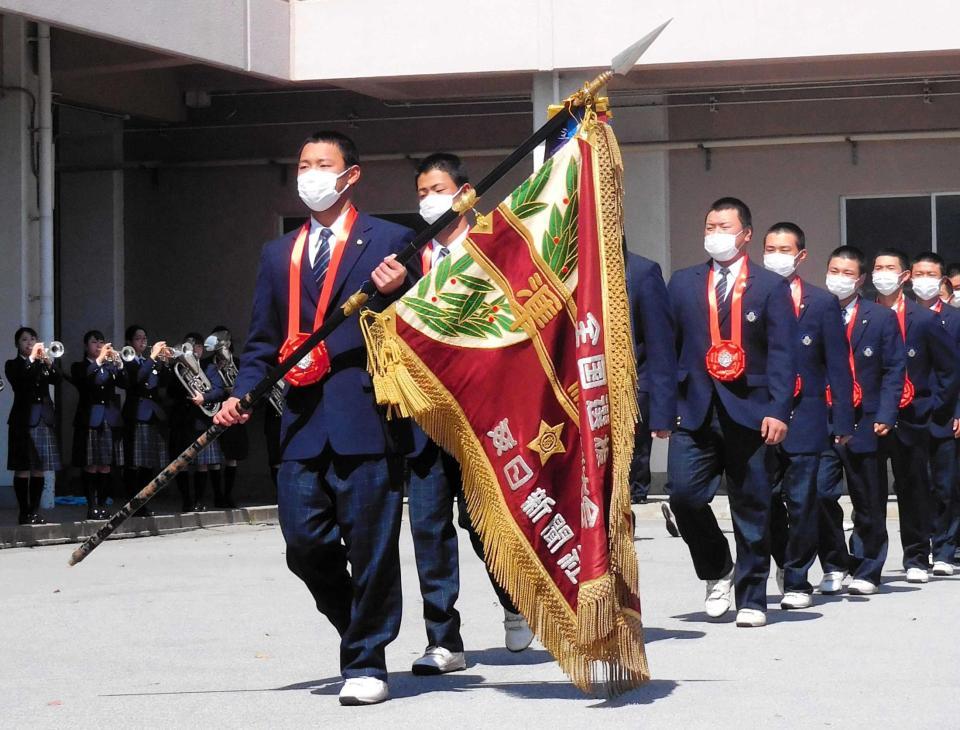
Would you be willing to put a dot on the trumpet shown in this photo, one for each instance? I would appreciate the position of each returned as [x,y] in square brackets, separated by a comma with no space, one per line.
[54,350]
[191,376]
[170,354]
[126,354]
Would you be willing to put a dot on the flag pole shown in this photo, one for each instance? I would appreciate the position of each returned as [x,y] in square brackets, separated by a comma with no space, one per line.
[585,96]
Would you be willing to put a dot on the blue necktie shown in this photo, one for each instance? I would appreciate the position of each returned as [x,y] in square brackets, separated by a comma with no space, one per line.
[322,262]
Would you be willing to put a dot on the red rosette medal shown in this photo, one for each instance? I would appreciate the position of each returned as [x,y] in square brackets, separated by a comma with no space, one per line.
[726,361]
[906,397]
[312,367]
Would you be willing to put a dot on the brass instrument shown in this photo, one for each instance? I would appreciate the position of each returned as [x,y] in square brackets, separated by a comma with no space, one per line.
[228,370]
[127,354]
[191,376]
[54,350]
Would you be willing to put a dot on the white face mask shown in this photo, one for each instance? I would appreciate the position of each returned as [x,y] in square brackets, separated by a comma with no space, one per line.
[955,299]
[780,263]
[435,205]
[841,286]
[886,282]
[721,246]
[926,287]
[318,188]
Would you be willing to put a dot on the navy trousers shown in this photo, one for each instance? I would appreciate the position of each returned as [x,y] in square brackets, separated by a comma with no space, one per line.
[695,464]
[642,443]
[868,544]
[911,482]
[793,518]
[943,480]
[434,485]
[336,510]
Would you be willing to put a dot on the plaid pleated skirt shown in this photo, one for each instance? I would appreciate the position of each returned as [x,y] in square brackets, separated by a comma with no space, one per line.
[104,446]
[33,449]
[149,447]
[212,454]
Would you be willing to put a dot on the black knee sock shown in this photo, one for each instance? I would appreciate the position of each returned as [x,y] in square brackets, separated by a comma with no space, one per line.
[215,483]
[104,488]
[229,480]
[199,487]
[36,493]
[183,484]
[21,487]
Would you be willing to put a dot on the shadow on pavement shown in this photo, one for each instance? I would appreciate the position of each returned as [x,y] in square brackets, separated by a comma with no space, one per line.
[501,656]
[652,633]
[774,616]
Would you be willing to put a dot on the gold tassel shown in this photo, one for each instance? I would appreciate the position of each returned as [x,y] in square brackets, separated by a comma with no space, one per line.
[392,383]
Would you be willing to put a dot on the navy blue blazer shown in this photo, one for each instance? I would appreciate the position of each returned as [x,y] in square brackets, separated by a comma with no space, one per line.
[143,389]
[824,358]
[769,340]
[943,380]
[31,383]
[941,426]
[653,341]
[931,368]
[99,401]
[340,410]
[880,362]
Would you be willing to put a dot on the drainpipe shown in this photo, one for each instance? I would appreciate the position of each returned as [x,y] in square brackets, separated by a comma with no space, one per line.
[45,183]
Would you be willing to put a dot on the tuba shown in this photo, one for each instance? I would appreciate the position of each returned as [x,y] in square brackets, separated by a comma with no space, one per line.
[191,376]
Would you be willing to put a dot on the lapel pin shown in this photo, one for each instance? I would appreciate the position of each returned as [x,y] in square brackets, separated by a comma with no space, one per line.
[867,351]
[751,316]
[807,340]
[359,241]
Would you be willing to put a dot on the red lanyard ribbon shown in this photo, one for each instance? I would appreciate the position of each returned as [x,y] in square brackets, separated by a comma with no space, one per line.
[315,365]
[726,359]
[906,397]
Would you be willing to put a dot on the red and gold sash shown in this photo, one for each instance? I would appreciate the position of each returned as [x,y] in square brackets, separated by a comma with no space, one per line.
[906,398]
[797,295]
[314,366]
[726,359]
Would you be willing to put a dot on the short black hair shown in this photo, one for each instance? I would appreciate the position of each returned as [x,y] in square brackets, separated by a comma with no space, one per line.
[131,332]
[904,259]
[445,162]
[743,212]
[194,337]
[346,146]
[20,332]
[93,335]
[953,269]
[851,253]
[931,258]
[220,328]
[788,227]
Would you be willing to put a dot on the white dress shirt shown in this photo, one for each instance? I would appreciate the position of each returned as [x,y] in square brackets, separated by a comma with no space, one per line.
[733,270]
[313,238]
[848,310]
[435,246]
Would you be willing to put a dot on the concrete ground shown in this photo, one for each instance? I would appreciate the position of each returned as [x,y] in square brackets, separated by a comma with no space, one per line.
[208,629]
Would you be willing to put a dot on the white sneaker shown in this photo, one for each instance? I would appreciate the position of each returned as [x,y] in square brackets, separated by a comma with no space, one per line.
[861,587]
[751,618]
[516,631]
[917,575]
[942,568]
[796,600]
[718,599]
[780,580]
[437,660]
[832,582]
[363,691]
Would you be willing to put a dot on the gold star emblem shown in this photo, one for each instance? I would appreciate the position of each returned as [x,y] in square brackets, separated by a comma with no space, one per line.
[547,443]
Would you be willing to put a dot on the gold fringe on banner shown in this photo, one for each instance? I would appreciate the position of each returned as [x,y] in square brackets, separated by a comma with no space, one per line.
[601,646]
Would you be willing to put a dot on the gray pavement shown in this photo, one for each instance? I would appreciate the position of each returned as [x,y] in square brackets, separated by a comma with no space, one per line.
[208,629]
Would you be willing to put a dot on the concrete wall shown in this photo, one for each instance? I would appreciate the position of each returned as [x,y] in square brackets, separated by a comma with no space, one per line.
[498,35]
[250,35]
[19,272]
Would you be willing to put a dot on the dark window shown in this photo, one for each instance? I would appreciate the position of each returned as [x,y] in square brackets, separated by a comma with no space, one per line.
[948,227]
[901,222]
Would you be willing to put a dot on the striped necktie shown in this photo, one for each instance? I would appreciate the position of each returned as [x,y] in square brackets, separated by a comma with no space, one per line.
[442,253]
[322,262]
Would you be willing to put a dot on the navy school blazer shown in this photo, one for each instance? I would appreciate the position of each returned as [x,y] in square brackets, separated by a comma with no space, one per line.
[824,359]
[143,388]
[769,340]
[31,383]
[341,409]
[653,339]
[99,401]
